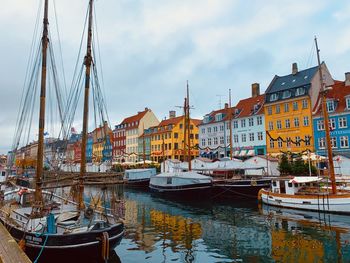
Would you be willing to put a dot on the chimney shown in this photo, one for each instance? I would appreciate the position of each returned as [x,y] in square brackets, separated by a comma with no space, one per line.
[294,68]
[226,105]
[146,109]
[255,90]
[347,78]
[172,114]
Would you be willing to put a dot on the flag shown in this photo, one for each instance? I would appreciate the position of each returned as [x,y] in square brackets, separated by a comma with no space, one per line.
[73,131]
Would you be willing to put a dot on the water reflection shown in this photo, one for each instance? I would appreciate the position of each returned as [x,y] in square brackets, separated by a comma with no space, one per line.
[160,230]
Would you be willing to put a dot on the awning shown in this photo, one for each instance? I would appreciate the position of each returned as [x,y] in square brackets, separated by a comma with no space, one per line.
[236,153]
[305,179]
[243,153]
[251,153]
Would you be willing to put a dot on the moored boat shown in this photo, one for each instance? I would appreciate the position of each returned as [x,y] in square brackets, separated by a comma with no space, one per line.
[138,177]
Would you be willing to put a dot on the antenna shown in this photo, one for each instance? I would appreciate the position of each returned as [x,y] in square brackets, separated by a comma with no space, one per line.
[220,96]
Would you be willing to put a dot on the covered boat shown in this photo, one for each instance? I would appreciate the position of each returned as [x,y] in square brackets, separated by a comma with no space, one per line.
[138,177]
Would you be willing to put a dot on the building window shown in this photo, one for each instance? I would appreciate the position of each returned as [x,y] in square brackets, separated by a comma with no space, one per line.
[300,91]
[222,140]
[286,107]
[228,139]
[287,123]
[297,140]
[280,143]
[176,135]
[270,125]
[260,136]
[259,120]
[209,141]
[286,94]
[235,138]
[221,128]
[334,142]
[269,110]
[320,125]
[272,143]
[344,142]
[209,129]
[215,140]
[279,125]
[278,109]
[332,124]
[343,122]
[321,143]
[306,121]
[305,104]
[348,103]
[242,123]
[273,97]
[330,105]
[288,141]
[244,137]
[251,136]
[251,122]
[295,105]
[228,125]
[181,125]
[235,124]
[296,122]
[307,140]
[215,128]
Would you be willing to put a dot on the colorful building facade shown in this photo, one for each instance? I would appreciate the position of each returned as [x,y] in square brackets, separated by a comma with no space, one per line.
[338,106]
[289,101]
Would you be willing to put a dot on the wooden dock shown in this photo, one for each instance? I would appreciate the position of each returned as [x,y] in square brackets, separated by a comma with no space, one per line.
[10,252]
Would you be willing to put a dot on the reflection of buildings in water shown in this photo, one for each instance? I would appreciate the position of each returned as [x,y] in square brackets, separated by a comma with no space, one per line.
[290,245]
[180,231]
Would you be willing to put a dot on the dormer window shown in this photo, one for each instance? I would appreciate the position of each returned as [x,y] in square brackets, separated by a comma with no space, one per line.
[236,111]
[286,94]
[348,103]
[300,91]
[218,117]
[330,105]
[256,107]
[273,97]
[206,119]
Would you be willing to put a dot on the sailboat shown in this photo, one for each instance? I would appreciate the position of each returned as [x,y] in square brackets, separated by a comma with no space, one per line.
[311,192]
[182,184]
[48,225]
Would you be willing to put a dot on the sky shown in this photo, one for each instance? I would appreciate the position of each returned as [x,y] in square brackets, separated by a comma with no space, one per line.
[150,48]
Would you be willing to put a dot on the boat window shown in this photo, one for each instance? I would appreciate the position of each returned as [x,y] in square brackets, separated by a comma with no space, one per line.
[168,180]
[274,183]
[296,185]
[290,184]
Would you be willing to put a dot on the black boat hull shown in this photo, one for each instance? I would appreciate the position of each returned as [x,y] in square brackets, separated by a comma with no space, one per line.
[70,247]
[240,188]
[183,192]
[138,183]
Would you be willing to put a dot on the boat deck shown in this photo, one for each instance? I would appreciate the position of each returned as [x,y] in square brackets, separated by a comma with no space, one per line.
[9,250]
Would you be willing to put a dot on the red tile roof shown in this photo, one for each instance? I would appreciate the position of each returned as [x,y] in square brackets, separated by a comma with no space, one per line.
[213,113]
[137,117]
[246,106]
[338,93]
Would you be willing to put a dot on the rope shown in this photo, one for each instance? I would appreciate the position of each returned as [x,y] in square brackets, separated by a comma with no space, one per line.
[42,249]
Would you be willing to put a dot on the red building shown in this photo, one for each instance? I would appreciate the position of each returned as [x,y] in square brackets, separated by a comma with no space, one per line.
[119,142]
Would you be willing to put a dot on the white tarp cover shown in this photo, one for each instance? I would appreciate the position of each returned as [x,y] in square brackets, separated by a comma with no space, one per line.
[305,179]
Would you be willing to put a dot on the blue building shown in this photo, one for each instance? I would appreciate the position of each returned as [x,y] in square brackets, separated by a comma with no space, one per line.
[107,150]
[89,143]
[144,144]
[338,106]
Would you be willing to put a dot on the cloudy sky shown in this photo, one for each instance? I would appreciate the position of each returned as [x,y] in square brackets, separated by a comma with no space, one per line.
[149,48]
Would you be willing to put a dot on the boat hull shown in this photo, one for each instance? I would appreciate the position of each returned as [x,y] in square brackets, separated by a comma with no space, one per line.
[137,182]
[87,245]
[240,188]
[339,203]
[194,191]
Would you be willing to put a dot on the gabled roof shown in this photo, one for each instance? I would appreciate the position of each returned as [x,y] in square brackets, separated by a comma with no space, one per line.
[136,117]
[302,78]
[172,121]
[212,114]
[246,106]
[338,93]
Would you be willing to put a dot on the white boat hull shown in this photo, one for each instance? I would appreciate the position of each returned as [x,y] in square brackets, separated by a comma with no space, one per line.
[339,203]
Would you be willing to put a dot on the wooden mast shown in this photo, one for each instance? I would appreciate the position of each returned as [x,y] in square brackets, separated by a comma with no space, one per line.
[323,93]
[185,132]
[230,121]
[187,109]
[40,158]
[144,147]
[87,63]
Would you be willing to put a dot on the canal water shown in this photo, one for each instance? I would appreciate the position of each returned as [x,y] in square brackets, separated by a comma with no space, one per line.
[236,230]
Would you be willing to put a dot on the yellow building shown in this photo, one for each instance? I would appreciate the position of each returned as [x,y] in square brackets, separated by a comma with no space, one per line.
[99,137]
[167,139]
[288,109]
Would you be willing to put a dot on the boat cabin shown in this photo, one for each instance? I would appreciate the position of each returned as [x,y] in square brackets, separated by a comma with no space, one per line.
[295,185]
